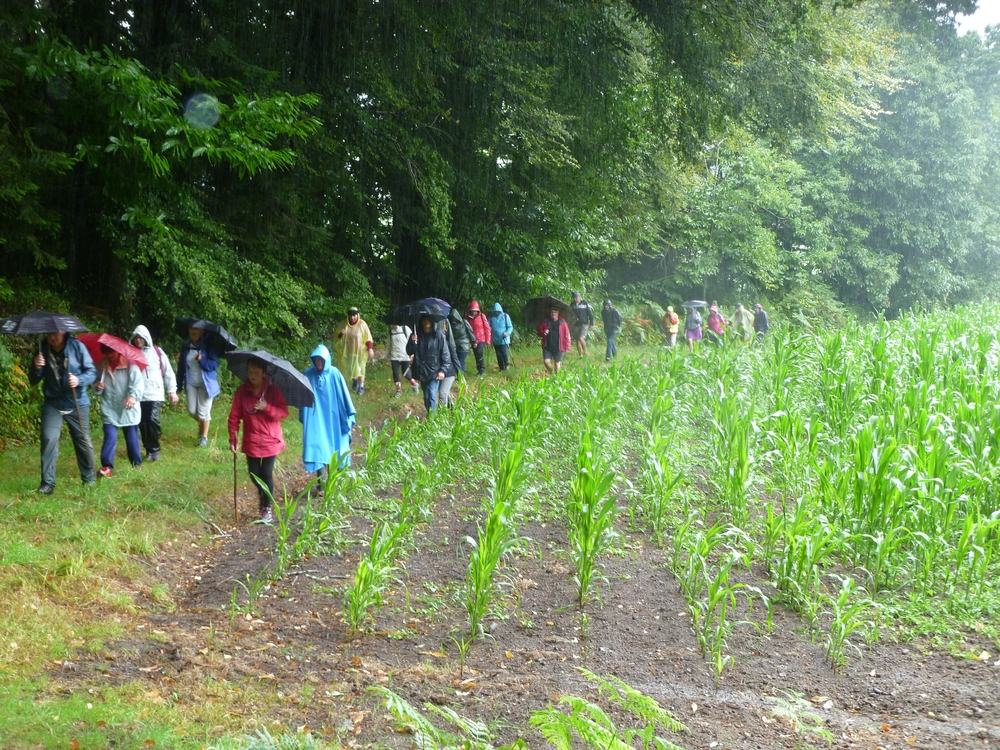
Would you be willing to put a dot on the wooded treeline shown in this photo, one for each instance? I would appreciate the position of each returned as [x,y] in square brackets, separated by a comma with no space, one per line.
[815,152]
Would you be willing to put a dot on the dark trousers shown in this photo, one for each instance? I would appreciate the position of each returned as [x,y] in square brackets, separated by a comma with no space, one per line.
[503,361]
[612,349]
[462,354]
[52,422]
[714,338]
[263,470]
[111,442]
[479,350]
[398,368]
[149,425]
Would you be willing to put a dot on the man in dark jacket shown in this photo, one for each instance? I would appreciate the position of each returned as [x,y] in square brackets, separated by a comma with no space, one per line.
[431,360]
[463,336]
[64,367]
[612,320]
[584,322]
[761,324]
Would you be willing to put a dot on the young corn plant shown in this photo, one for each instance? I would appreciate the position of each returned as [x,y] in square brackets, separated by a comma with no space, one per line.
[494,542]
[846,611]
[591,511]
[659,483]
[374,571]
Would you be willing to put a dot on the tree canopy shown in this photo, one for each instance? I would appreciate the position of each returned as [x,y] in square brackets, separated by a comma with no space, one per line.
[268,165]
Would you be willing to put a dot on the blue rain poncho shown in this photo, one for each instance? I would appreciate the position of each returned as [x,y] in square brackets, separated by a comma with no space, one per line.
[326,426]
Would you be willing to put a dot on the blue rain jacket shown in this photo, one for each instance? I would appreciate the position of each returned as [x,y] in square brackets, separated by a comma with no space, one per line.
[500,326]
[326,426]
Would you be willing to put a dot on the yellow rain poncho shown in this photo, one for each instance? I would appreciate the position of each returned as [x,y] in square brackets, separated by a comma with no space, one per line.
[352,345]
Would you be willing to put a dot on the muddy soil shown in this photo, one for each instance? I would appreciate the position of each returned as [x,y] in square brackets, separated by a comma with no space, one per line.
[297,653]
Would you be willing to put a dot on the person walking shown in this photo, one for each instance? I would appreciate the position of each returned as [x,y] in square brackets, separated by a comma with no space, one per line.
[584,322]
[196,373]
[761,324]
[65,368]
[120,385]
[431,360]
[716,326]
[612,320]
[395,352]
[261,408]
[158,384]
[743,323]
[671,325]
[327,424]
[354,347]
[692,327]
[462,333]
[502,329]
[481,335]
[451,373]
[554,333]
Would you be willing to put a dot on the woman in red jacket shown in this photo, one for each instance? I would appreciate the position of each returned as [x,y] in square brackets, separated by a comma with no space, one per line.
[555,340]
[261,408]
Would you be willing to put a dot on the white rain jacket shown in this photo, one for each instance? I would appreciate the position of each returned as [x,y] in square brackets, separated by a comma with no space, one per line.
[158,378]
[119,384]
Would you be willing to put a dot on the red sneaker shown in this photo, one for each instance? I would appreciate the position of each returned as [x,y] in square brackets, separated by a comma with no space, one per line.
[105,471]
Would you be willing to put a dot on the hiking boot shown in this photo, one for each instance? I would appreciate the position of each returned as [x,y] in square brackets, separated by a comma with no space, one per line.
[106,472]
[354,384]
[399,393]
[267,516]
[153,456]
[361,390]
[203,442]
[46,489]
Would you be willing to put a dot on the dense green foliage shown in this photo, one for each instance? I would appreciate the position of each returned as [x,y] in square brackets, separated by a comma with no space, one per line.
[268,166]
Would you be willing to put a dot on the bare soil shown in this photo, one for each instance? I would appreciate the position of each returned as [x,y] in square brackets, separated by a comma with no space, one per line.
[297,651]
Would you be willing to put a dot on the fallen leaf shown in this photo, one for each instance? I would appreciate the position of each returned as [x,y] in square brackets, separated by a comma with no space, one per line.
[74,745]
[820,698]
[911,740]
[694,708]
[508,654]
[886,728]
[435,654]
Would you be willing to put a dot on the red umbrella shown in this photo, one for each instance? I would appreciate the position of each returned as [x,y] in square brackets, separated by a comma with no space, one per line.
[93,343]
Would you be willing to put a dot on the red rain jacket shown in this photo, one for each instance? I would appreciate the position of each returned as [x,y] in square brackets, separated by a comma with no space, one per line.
[262,436]
[480,325]
[565,343]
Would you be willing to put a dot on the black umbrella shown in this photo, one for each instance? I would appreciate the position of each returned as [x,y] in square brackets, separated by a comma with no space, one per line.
[434,308]
[219,338]
[40,321]
[537,309]
[294,386]
[691,304]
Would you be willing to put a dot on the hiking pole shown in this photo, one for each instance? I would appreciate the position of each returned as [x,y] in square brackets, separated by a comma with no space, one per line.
[236,510]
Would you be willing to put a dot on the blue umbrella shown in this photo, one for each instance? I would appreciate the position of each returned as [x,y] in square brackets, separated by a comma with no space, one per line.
[434,308]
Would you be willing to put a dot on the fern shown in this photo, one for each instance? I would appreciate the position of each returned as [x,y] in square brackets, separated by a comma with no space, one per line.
[635,702]
[426,736]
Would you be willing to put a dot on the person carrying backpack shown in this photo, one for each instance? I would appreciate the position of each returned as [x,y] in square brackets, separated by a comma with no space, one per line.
[501,330]
[692,327]
[481,335]
[612,320]
[584,322]
[158,384]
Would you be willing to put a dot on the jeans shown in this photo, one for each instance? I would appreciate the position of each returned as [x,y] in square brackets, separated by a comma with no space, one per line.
[502,359]
[149,425]
[111,441]
[263,470]
[52,422]
[444,391]
[479,350]
[462,354]
[430,388]
[612,350]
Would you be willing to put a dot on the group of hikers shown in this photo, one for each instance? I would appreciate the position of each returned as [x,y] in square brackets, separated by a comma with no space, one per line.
[746,326]
[429,357]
